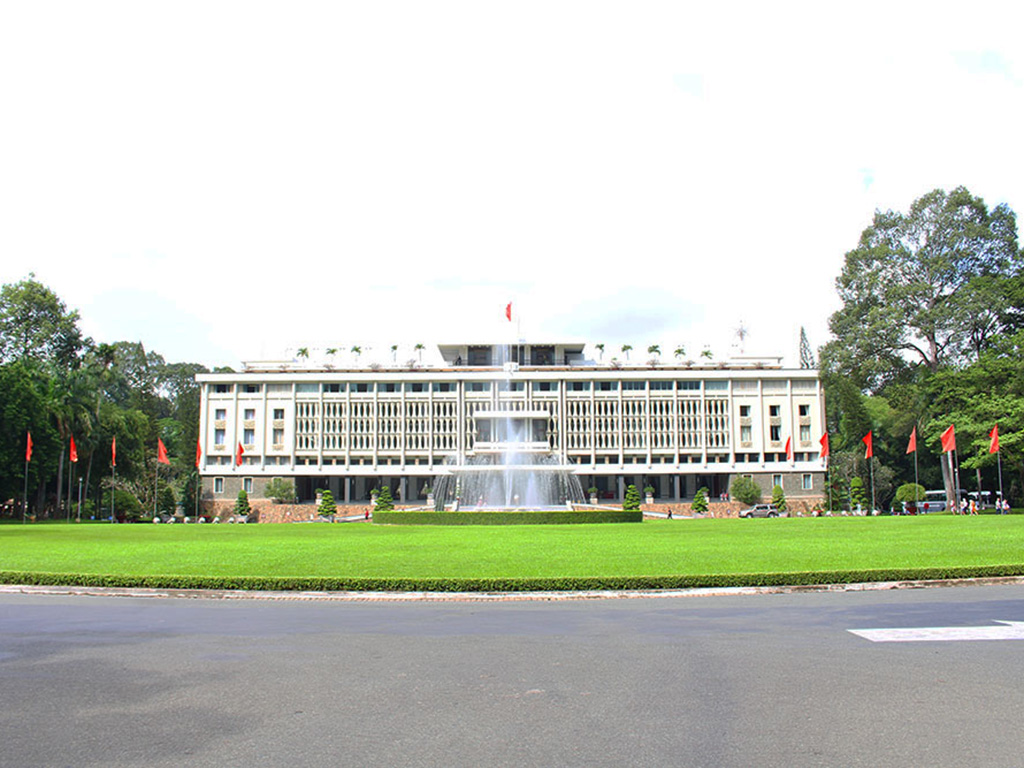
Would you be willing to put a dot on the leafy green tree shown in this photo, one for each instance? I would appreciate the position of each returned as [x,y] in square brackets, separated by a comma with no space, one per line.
[36,325]
[745,490]
[165,499]
[700,501]
[910,286]
[631,503]
[910,492]
[327,505]
[779,498]
[281,490]
[384,500]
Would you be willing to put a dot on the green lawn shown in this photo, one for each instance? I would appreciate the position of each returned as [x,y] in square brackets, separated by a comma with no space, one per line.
[683,548]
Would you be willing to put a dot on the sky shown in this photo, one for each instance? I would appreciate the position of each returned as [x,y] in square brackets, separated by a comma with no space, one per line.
[232,181]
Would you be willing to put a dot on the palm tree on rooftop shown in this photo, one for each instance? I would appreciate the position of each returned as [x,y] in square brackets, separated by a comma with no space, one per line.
[419,351]
[680,352]
[600,349]
[625,350]
[394,353]
[357,351]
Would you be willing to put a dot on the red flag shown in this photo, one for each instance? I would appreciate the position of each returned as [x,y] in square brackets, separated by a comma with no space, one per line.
[824,445]
[912,445]
[74,451]
[789,449]
[949,440]
[870,451]
[238,455]
[28,447]
[199,452]
[993,446]
[508,311]
[161,452]
[113,451]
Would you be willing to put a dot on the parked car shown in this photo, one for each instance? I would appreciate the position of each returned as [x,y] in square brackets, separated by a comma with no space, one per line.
[762,510]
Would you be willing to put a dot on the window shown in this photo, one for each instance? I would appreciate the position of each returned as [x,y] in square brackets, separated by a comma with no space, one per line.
[250,414]
[661,385]
[775,433]
[307,388]
[220,414]
[278,414]
[806,482]
[774,411]
[689,386]
[443,386]
[218,485]
[334,387]
[719,385]
[513,386]
[222,389]
[478,386]
[416,386]
[249,436]
[545,386]
[479,355]
[388,386]
[542,355]
[363,387]
[247,484]
[278,436]
[805,410]
[777,480]
[252,388]
[607,386]
[805,434]
[634,385]
[578,386]
[218,436]
[745,434]
[744,411]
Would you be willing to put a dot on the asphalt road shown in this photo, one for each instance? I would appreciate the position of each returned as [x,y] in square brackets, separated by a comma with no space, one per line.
[766,680]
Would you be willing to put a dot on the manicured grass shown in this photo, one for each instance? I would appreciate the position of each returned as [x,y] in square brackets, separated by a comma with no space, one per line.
[664,552]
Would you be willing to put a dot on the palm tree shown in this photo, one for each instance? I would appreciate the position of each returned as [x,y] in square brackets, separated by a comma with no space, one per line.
[303,352]
[357,351]
[419,351]
[600,349]
[625,350]
[706,352]
[680,352]
[394,353]
[654,349]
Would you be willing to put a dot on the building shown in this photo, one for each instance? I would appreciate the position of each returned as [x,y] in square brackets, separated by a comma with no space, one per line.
[355,427]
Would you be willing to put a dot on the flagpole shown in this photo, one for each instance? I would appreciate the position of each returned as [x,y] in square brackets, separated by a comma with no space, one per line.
[156,484]
[999,463]
[24,503]
[871,476]
[113,483]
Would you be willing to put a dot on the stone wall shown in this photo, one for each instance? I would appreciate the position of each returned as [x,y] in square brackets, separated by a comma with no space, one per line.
[802,505]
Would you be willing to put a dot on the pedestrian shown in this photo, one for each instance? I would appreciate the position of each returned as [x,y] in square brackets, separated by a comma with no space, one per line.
[670,513]
[366,514]
[974,507]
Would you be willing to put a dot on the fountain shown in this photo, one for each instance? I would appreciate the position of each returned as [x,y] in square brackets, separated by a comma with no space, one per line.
[512,466]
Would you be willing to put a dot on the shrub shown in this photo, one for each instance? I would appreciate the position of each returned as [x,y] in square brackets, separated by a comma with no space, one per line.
[165,501]
[242,504]
[700,501]
[126,506]
[281,490]
[779,498]
[745,490]
[910,492]
[384,502]
[857,497]
[632,501]
[327,506]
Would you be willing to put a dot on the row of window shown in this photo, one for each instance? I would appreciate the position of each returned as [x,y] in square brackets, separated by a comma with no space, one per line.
[485,386]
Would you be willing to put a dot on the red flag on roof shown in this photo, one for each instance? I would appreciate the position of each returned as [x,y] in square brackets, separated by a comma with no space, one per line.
[508,311]
[949,440]
[912,445]
[824,445]
[993,446]
[74,451]
[789,449]
[161,452]
[28,447]
[238,455]
[869,451]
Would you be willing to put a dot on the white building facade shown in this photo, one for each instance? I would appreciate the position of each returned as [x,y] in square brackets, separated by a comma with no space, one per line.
[352,429]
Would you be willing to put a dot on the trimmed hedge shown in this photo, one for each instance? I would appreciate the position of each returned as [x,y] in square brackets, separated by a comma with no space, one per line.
[530,517]
[510,584]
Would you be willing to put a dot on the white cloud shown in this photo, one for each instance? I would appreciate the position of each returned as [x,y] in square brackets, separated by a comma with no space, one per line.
[275,175]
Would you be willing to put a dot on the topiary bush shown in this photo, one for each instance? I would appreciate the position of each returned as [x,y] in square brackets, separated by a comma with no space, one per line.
[779,498]
[327,505]
[384,502]
[700,501]
[632,501]
[242,504]
[745,490]
[858,499]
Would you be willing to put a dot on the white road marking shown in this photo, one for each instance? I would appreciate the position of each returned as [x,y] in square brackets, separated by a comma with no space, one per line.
[1007,630]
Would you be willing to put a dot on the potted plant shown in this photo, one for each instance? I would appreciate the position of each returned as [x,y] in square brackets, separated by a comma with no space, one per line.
[592,490]
[649,494]
[429,493]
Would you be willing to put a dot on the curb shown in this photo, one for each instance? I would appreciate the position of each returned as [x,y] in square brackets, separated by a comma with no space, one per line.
[488,597]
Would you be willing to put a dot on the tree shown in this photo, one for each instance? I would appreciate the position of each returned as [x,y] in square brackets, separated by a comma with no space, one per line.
[700,502]
[600,351]
[626,349]
[281,490]
[631,503]
[745,490]
[242,508]
[384,502]
[858,499]
[909,289]
[779,498]
[35,324]
[806,355]
[680,353]
[910,492]
[327,505]
[419,352]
